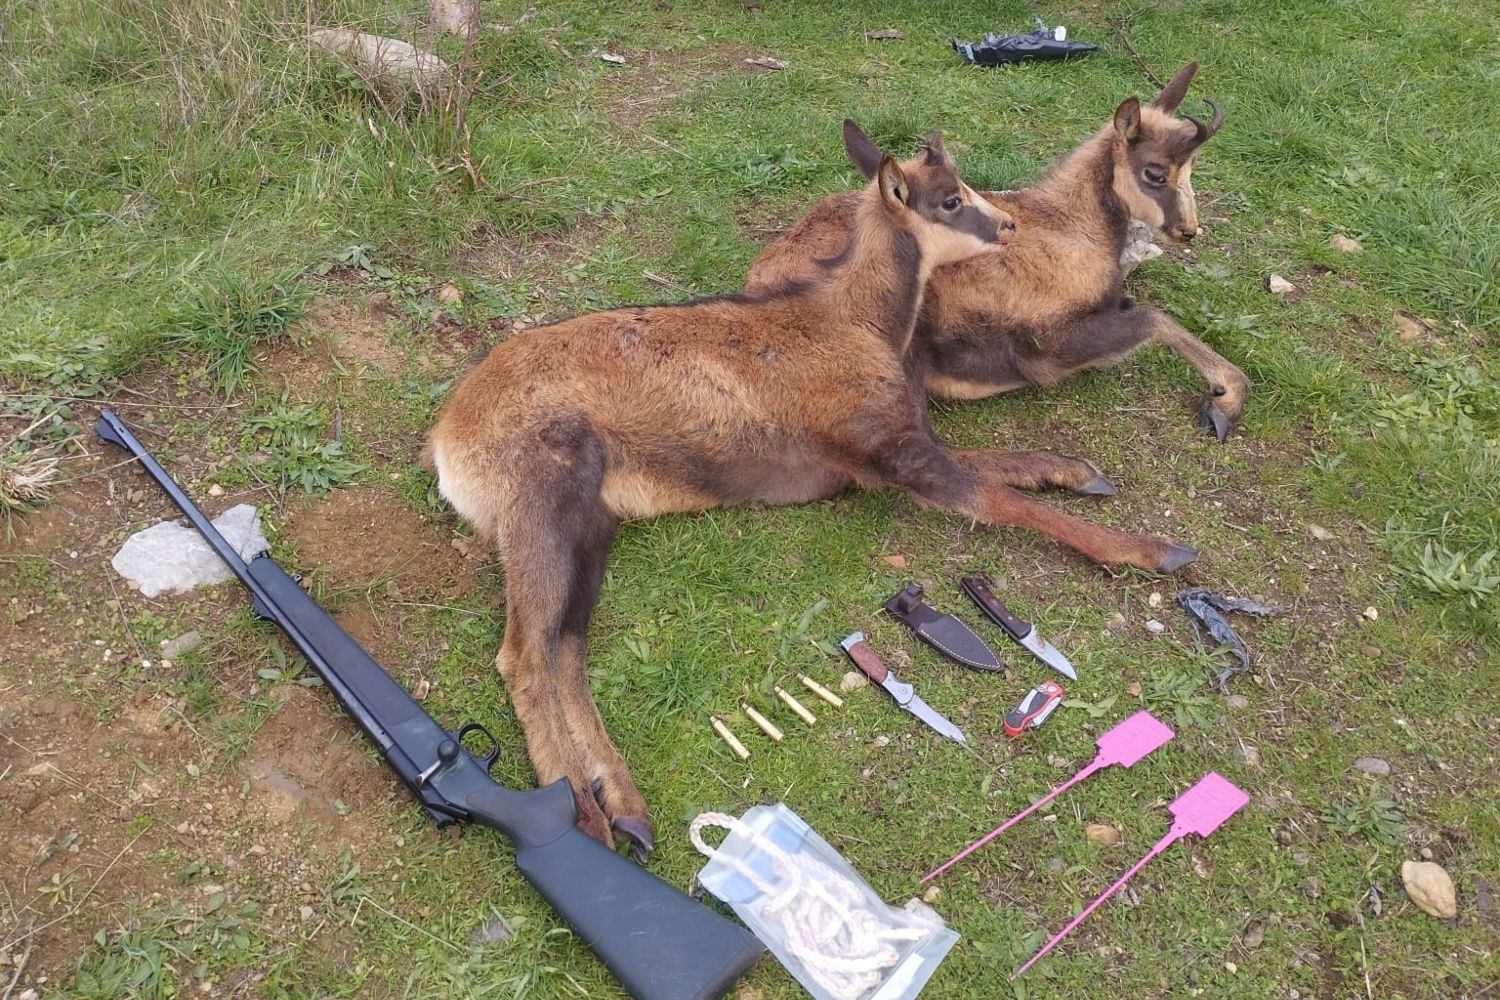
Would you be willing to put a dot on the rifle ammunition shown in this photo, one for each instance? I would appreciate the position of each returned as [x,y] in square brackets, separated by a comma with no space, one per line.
[821,691]
[734,744]
[765,724]
[796,706]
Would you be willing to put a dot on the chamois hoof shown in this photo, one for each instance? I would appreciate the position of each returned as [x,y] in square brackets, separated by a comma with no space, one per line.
[1099,486]
[1177,556]
[636,832]
[1214,420]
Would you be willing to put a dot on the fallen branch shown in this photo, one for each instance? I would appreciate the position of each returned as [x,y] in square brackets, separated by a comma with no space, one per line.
[1120,27]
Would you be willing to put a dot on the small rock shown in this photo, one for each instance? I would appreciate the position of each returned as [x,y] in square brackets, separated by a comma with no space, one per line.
[1154,600]
[1371,614]
[1237,701]
[28,995]
[853,680]
[171,649]
[1255,935]
[1319,532]
[885,35]
[1430,888]
[894,560]
[1154,626]
[612,57]
[258,849]
[932,894]
[1373,765]
[216,490]
[1277,285]
[1425,854]
[1373,652]
[1408,327]
[490,932]
[449,294]
[1101,833]
[881,741]
[1344,244]
[1114,619]
[1249,755]
[1134,690]
[1231,968]
[305,912]
[765,62]
[420,689]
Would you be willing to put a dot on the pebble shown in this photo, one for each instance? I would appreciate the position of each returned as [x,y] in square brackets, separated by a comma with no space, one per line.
[1277,285]
[1155,599]
[1237,701]
[1255,934]
[216,490]
[1249,755]
[1102,833]
[1319,532]
[1425,853]
[305,912]
[932,894]
[1373,765]
[257,849]
[853,679]
[1371,614]
[1154,626]
[171,649]
[1345,244]
[1114,619]
[1231,968]
[1373,652]
[449,294]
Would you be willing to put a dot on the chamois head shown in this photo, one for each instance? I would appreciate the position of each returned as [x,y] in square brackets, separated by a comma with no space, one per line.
[1154,153]
[925,196]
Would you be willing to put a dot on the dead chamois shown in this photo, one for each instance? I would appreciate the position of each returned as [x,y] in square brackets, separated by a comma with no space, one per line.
[780,397]
[1053,302]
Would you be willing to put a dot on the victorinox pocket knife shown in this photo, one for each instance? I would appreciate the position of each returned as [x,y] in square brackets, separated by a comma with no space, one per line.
[867,660]
[944,633]
[978,588]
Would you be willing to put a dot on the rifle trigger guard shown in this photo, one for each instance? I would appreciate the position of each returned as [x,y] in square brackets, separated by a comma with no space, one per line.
[473,727]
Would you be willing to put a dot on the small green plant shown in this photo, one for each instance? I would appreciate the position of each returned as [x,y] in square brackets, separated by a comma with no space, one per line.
[226,315]
[1179,690]
[358,258]
[1459,575]
[152,953]
[1366,815]
[291,436]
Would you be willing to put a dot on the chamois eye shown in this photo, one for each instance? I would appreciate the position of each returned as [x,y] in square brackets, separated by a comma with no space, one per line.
[1154,176]
[951,203]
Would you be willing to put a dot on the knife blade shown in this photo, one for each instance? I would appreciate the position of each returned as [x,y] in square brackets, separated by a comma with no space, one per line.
[1022,631]
[944,633]
[868,661]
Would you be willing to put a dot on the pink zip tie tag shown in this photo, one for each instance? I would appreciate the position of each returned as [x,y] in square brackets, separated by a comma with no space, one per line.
[1201,809]
[1124,744]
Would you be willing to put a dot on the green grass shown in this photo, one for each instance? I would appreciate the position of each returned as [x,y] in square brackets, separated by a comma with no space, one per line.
[179,179]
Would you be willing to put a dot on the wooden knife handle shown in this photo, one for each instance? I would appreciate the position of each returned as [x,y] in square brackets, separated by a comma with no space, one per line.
[978,587]
[867,660]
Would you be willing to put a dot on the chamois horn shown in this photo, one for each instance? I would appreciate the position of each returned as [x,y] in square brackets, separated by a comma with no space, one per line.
[1204,131]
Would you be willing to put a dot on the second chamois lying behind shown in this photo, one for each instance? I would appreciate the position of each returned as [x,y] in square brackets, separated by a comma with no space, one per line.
[1053,302]
[781,397]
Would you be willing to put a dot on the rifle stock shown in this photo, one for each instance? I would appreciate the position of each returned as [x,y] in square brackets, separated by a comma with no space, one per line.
[660,944]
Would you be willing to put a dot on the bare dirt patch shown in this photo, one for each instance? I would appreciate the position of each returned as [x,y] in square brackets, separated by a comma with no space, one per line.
[338,333]
[651,82]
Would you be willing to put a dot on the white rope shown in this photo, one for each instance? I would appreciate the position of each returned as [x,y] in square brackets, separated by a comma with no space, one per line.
[821,915]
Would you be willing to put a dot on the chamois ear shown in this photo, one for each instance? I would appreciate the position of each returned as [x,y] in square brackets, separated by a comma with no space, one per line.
[936,154]
[894,190]
[1128,119]
[1176,89]
[865,154]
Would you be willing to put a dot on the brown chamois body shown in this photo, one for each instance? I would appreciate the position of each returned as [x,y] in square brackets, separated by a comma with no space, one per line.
[1053,302]
[783,397]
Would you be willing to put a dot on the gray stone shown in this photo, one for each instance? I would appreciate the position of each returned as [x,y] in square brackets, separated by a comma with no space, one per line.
[170,557]
[1373,765]
[171,649]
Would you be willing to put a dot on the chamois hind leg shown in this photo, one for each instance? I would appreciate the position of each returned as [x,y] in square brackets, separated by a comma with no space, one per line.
[553,540]
[1036,470]
[610,780]
[914,460]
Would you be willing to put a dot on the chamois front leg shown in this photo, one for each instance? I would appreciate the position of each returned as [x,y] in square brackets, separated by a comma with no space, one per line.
[1228,388]
[916,461]
[1037,470]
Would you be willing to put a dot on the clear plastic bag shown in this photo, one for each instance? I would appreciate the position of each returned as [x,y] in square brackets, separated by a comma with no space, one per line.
[819,918]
